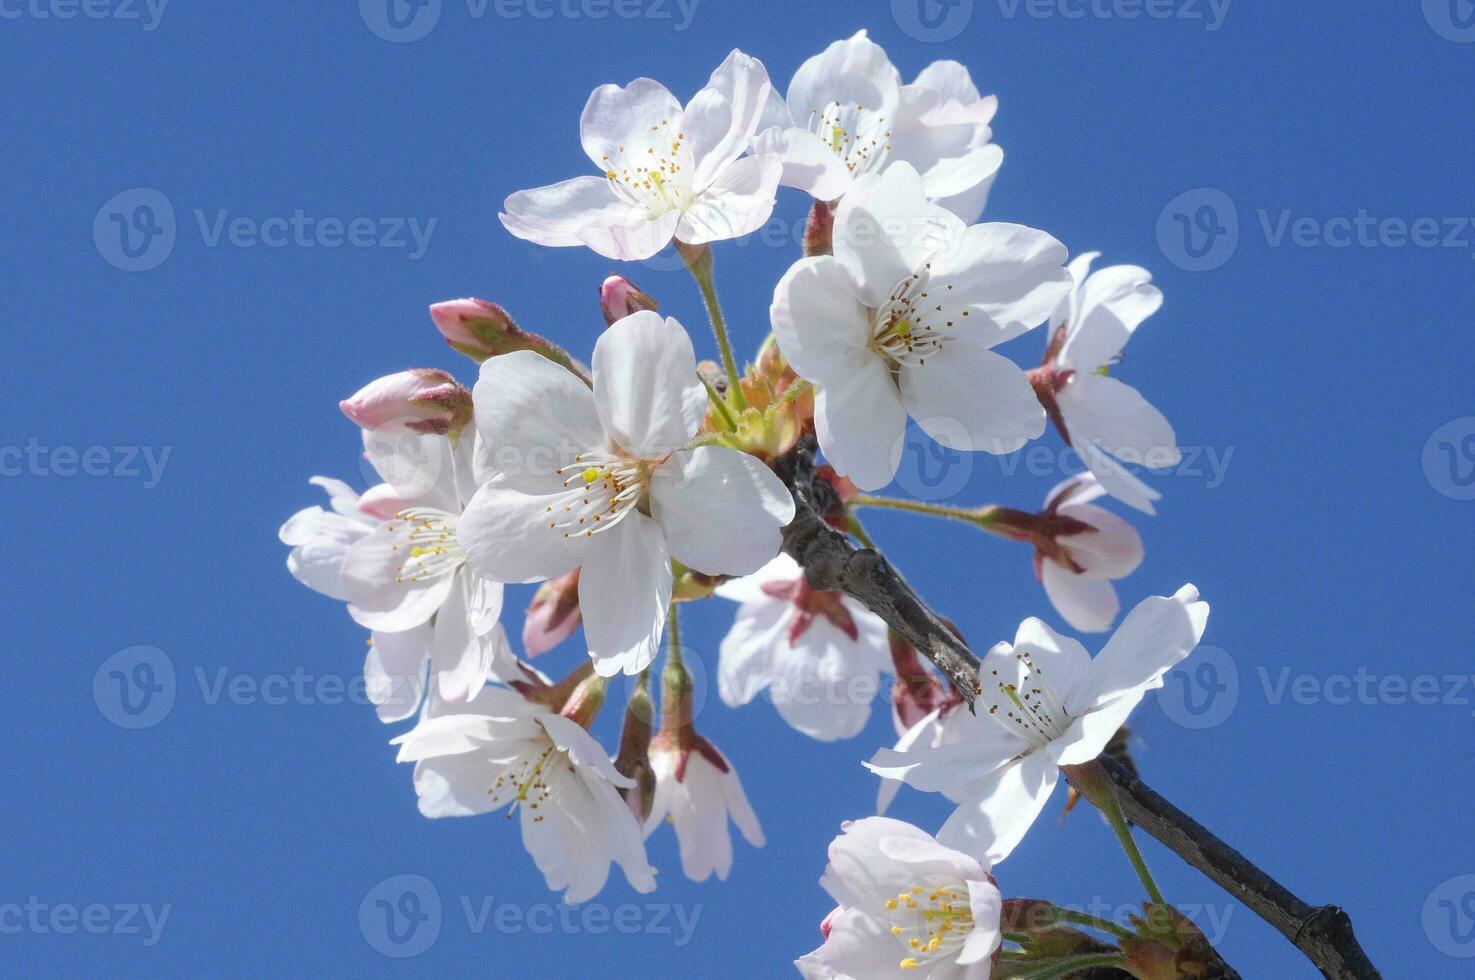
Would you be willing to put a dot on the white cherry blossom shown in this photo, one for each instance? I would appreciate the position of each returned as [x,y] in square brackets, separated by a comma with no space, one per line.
[1045,703]
[338,553]
[1078,565]
[500,750]
[900,319]
[410,575]
[600,480]
[698,790]
[1098,415]
[848,114]
[665,171]
[819,655]
[909,906]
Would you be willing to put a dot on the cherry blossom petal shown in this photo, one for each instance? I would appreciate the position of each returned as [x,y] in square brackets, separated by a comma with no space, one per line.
[968,398]
[1087,604]
[455,786]
[854,876]
[885,229]
[620,122]
[632,237]
[737,203]
[855,71]
[861,945]
[817,687]
[721,510]
[646,388]
[1103,410]
[952,176]
[1113,550]
[624,593]
[1010,277]
[745,658]
[818,319]
[507,536]
[534,417]
[860,421]
[420,469]
[320,541]
[749,588]
[1111,304]
[1060,659]
[394,672]
[955,769]
[994,818]
[385,594]
[1116,479]
[721,119]
[951,81]
[809,163]
[1088,736]
[556,214]
[987,904]
[1154,636]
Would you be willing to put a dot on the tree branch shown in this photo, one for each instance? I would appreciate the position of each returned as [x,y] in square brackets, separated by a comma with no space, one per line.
[1324,934]
[831,562]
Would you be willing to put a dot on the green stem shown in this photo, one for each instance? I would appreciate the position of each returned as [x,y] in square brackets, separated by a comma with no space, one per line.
[1118,821]
[1092,922]
[699,263]
[982,517]
[1077,963]
[673,639]
[721,405]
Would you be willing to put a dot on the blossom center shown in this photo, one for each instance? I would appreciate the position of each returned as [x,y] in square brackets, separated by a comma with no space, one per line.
[654,176]
[912,324]
[931,922]
[1031,706]
[600,488]
[855,134]
[428,539]
[526,780]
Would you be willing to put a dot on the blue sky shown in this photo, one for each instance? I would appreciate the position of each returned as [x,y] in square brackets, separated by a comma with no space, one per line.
[1314,355]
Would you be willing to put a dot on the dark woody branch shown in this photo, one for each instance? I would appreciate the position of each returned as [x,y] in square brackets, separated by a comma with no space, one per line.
[832,562]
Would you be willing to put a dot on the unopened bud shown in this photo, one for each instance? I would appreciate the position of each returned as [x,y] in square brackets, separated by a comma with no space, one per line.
[423,400]
[481,330]
[619,297]
[584,704]
[552,616]
[633,760]
[819,230]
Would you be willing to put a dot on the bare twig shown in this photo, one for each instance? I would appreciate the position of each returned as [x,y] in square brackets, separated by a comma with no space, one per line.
[1324,934]
[832,562]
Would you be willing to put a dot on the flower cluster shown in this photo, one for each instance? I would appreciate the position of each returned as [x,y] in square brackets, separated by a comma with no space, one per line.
[648,479]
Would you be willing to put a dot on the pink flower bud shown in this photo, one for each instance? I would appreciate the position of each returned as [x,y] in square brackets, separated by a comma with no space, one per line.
[422,400]
[552,616]
[619,297]
[470,324]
